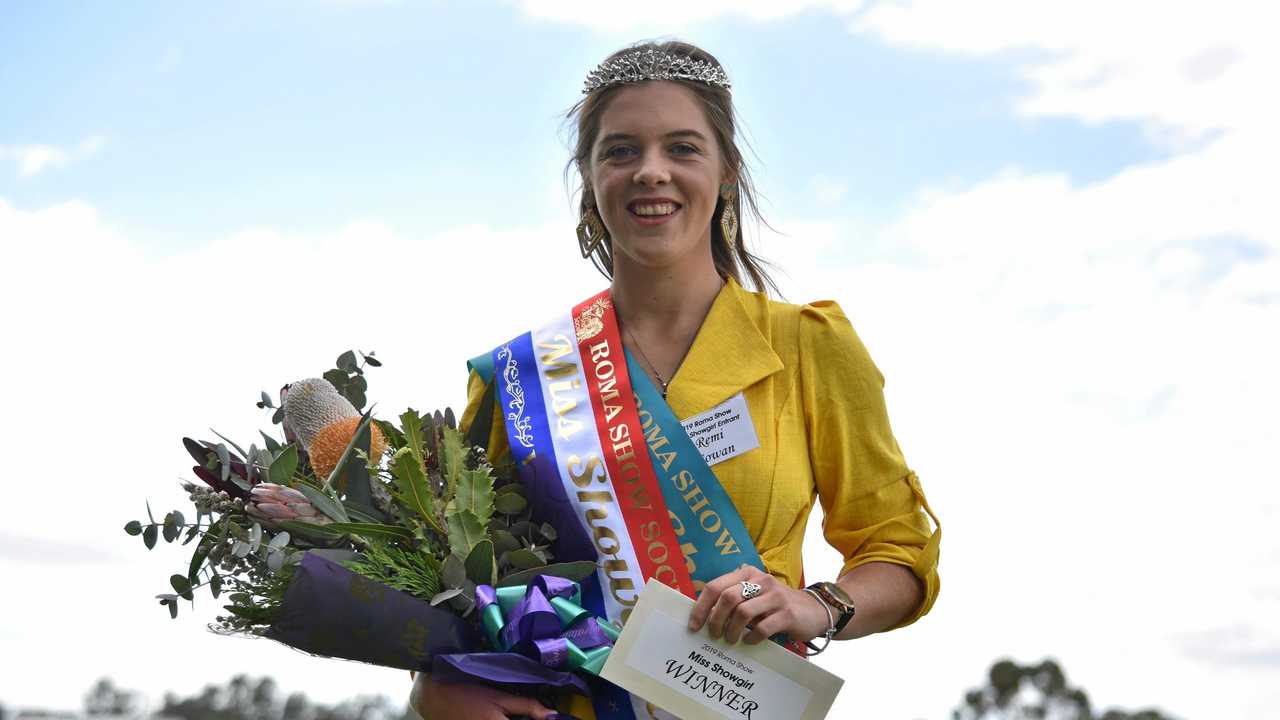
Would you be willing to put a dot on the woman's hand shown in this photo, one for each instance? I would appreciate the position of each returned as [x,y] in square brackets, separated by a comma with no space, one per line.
[776,609]
[435,700]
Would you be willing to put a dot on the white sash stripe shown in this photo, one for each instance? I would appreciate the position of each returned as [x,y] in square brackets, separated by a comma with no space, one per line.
[572,423]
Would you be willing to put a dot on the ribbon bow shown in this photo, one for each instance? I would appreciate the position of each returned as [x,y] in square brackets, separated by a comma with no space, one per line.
[545,622]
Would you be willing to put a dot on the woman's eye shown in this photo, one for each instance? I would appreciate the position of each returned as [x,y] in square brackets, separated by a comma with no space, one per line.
[684,149]
[617,151]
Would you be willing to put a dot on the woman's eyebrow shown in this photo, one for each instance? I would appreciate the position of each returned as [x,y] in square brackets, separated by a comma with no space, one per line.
[687,133]
[614,137]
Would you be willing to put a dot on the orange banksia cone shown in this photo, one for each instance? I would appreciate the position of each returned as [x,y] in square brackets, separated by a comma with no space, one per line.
[324,422]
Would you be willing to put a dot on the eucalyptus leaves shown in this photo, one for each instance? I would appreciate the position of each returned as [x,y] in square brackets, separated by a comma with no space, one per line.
[412,505]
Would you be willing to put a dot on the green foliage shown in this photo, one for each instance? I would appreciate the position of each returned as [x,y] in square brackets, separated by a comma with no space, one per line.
[474,493]
[393,533]
[362,430]
[435,521]
[414,572]
[510,503]
[577,570]
[451,460]
[465,531]
[481,564]
[411,431]
[359,490]
[413,491]
[284,465]
[325,501]
[348,377]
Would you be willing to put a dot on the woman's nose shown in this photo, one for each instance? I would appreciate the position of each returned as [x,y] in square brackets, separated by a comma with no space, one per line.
[652,171]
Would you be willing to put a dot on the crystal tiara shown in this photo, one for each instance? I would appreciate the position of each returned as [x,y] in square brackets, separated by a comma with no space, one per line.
[653,64]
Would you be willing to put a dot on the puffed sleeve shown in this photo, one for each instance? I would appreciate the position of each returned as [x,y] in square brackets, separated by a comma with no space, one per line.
[874,508]
[477,396]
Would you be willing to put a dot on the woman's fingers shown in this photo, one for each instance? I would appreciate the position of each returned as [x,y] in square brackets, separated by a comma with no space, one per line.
[434,700]
[520,705]
[727,595]
[766,627]
[728,601]
[747,613]
[711,593]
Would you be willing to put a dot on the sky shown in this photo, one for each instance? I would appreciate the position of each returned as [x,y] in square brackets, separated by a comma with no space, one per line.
[1051,223]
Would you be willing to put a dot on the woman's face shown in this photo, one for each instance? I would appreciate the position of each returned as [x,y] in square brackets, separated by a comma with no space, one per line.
[655,170]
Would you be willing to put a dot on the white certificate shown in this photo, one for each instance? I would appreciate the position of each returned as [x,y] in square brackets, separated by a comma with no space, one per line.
[694,677]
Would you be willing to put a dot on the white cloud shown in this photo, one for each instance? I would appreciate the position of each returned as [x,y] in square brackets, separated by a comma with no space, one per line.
[1188,68]
[113,355]
[33,159]
[1083,372]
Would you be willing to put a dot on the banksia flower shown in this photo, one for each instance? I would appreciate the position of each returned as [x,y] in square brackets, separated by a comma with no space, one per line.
[269,502]
[324,422]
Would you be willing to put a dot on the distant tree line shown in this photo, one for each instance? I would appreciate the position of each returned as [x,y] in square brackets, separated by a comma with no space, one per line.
[1036,692]
[241,698]
[246,699]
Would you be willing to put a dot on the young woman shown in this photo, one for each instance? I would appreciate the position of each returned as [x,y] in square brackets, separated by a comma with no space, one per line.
[663,188]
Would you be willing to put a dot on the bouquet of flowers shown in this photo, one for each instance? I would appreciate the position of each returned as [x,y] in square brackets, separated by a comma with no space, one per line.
[393,543]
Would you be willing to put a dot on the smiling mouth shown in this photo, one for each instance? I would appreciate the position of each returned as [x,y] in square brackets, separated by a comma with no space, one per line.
[647,209]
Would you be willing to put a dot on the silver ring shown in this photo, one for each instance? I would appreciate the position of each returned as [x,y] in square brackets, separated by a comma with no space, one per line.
[750,590]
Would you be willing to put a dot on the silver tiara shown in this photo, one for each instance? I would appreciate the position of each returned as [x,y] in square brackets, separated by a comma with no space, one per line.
[653,64]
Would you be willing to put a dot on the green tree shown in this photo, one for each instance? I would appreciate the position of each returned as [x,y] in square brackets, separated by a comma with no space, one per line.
[1035,692]
[245,698]
[104,698]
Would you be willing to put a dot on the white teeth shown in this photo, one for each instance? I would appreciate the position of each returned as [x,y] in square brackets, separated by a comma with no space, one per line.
[654,209]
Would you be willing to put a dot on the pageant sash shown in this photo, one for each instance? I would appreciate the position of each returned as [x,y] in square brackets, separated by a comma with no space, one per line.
[611,467]
[713,538]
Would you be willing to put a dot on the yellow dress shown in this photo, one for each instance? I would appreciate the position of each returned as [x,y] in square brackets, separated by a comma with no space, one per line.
[818,406]
[817,402]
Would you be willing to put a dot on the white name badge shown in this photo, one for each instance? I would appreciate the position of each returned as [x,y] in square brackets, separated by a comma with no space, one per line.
[724,431]
[694,677]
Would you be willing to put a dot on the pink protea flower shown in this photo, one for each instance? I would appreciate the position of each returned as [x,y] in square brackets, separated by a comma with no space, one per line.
[269,501]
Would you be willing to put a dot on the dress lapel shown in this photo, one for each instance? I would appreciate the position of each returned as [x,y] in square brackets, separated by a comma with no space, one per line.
[729,354]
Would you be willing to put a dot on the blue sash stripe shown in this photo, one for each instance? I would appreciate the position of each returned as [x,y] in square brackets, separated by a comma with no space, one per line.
[537,466]
[710,561]
[539,471]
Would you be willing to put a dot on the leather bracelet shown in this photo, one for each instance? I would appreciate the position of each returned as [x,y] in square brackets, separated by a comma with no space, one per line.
[831,625]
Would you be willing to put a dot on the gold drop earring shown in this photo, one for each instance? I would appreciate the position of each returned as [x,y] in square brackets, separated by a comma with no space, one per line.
[591,232]
[729,218]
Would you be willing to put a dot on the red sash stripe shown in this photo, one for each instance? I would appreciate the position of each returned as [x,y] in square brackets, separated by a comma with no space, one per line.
[626,456]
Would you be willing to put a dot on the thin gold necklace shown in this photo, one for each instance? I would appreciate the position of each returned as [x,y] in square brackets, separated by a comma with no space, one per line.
[652,368]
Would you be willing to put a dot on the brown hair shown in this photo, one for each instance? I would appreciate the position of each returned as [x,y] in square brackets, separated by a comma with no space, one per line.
[731,259]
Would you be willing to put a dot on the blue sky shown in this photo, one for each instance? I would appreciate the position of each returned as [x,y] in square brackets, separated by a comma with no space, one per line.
[1053,227]
[306,114]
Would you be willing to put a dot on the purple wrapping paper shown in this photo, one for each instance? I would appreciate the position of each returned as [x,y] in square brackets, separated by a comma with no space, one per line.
[331,611]
[506,670]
